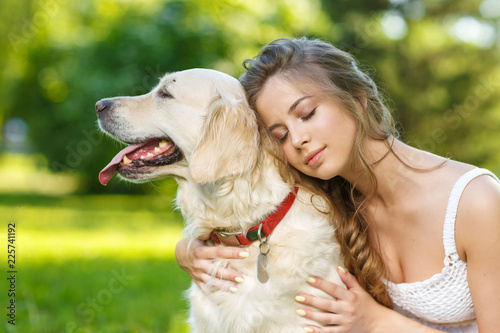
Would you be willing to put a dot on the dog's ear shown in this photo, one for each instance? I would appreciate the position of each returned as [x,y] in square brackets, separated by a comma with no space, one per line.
[229,143]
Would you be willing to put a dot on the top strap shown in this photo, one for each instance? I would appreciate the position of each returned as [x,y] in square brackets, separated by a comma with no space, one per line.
[451,209]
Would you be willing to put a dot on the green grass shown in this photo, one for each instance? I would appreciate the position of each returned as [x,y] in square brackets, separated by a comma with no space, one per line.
[94,264]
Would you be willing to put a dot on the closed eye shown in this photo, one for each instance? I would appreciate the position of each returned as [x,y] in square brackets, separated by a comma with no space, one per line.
[309,116]
[283,138]
[280,134]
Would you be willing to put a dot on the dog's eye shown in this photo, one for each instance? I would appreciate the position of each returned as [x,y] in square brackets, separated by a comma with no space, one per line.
[164,93]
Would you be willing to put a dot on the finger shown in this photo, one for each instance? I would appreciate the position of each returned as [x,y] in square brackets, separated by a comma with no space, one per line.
[319,303]
[229,252]
[221,285]
[323,318]
[230,275]
[348,279]
[210,252]
[225,274]
[329,288]
[212,283]
[213,269]
[208,285]
[323,329]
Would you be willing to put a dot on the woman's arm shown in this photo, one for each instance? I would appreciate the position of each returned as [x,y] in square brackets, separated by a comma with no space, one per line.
[196,258]
[478,237]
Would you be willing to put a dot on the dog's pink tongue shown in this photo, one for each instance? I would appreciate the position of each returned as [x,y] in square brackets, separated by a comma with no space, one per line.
[109,171]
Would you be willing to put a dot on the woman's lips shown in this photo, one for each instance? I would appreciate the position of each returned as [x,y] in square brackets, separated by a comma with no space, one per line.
[312,159]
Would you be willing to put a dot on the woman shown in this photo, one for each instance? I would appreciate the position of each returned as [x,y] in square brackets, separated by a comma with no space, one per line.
[420,233]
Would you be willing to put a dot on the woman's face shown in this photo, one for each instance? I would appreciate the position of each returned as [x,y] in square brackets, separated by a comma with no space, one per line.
[317,134]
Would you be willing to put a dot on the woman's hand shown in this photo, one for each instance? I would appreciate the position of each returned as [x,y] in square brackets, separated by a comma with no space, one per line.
[353,310]
[197,260]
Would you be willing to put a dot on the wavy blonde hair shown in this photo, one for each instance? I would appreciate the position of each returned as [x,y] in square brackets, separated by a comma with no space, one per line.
[337,75]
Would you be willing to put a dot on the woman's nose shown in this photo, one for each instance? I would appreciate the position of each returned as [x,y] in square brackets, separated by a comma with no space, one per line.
[299,138]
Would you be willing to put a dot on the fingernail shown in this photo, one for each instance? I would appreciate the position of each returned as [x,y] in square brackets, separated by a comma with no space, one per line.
[307,329]
[311,279]
[239,280]
[243,254]
[233,289]
[300,298]
[342,269]
[300,312]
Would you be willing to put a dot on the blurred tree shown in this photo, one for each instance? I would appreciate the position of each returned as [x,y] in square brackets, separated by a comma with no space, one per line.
[59,57]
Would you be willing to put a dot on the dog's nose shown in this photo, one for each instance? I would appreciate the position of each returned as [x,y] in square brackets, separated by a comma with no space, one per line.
[101,105]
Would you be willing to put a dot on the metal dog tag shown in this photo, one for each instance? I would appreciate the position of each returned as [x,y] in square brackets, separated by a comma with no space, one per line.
[262,275]
[264,249]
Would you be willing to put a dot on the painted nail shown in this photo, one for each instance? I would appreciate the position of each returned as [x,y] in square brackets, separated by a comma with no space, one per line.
[300,312]
[308,330]
[300,298]
[243,254]
[342,269]
[239,280]
[311,279]
[233,289]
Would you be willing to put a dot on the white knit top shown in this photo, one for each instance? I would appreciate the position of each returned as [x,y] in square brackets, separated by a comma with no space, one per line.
[443,301]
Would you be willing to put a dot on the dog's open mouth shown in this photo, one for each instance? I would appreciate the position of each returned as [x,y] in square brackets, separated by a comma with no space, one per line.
[152,153]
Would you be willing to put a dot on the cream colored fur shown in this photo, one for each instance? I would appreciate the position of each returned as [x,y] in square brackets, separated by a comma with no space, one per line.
[229,179]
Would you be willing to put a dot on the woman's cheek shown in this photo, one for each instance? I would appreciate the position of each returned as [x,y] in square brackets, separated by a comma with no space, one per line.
[292,158]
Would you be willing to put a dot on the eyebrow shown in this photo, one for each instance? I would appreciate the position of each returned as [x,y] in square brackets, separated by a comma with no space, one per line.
[294,105]
[291,109]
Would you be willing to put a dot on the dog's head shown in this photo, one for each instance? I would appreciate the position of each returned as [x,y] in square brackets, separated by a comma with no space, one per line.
[195,124]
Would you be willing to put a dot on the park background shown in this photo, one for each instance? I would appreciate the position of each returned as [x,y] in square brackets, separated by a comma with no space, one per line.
[100,259]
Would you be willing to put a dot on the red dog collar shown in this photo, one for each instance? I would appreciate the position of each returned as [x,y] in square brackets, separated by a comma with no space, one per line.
[268,225]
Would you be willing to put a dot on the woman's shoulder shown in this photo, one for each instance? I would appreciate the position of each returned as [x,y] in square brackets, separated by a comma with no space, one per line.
[481,192]
[481,196]
[478,214]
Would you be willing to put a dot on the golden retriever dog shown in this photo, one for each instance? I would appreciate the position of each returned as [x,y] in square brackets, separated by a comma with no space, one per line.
[197,127]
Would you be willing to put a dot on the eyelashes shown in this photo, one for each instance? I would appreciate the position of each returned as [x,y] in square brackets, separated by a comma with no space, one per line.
[283,137]
[309,116]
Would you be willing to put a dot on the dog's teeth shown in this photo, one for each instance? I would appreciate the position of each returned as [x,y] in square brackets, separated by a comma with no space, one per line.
[149,155]
[126,160]
[162,143]
[157,150]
